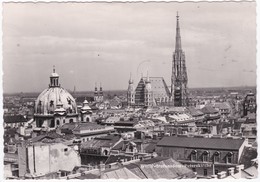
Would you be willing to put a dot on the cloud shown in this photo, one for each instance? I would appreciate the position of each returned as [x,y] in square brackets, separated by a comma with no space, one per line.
[104,42]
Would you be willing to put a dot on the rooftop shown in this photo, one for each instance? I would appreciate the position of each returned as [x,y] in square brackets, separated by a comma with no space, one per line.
[98,142]
[154,169]
[203,143]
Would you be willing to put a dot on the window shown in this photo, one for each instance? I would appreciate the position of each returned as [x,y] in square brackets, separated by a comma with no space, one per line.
[229,157]
[205,172]
[66,149]
[216,156]
[194,169]
[58,122]
[52,124]
[105,152]
[194,155]
[71,120]
[205,156]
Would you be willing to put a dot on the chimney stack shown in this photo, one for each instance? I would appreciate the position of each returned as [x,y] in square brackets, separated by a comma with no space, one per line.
[231,171]
[239,168]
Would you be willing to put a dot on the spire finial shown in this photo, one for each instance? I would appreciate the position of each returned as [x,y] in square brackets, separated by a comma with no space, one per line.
[178,35]
[130,80]
[53,68]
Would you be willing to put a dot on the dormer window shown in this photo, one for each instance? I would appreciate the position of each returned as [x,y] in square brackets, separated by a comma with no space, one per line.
[229,157]
[216,156]
[205,156]
[194,155]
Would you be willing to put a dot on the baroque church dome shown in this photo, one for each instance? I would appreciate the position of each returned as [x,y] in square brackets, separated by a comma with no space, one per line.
[55,97]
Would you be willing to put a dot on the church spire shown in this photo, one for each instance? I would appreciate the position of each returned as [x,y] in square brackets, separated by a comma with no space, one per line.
[130,80]
[178,35]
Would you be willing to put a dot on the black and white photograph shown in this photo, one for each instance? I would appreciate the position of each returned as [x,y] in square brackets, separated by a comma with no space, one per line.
[129,90]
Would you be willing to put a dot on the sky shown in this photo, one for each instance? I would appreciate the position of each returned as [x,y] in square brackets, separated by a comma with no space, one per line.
[106,42]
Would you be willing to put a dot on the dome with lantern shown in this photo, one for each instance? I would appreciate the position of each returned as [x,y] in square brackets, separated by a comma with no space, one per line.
[55,98]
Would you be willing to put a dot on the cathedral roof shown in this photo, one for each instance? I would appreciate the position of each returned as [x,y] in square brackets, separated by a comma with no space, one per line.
[55,97]
[48,100]
[159,87]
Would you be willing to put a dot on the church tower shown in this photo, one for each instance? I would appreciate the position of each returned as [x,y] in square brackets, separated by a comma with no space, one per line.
[148,95]
[101,95]
[179,77]
[96,93]
[130,93]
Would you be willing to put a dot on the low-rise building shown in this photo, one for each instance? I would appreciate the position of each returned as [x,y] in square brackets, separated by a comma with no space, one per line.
[88,131]
[39,160]
[208,155]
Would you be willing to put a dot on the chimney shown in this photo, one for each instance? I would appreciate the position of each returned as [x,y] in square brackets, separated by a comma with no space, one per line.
[222,174]
[231,171]
[238,168]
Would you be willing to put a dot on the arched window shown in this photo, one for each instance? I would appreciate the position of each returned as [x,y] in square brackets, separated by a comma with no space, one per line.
[87,119]
[105,152]
[71,120]
[194,155]
[229,157]
[205,156]
[57,122]
[216,156]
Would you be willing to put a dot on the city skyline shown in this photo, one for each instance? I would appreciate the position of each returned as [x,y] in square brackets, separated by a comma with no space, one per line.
[123,38]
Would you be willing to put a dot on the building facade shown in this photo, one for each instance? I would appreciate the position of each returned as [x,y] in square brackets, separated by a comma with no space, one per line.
[206,156]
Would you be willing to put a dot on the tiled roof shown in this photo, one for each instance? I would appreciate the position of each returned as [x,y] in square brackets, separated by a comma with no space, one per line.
[150,148]
[203,143]
[209,110]
[159,88]
[222,105]
[195,112]
[160,168]
[107,141]
[121,173]
[88,126]
[68,126]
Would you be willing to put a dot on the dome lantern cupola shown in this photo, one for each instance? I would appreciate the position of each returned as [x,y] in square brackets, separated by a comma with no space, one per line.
[54,79]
